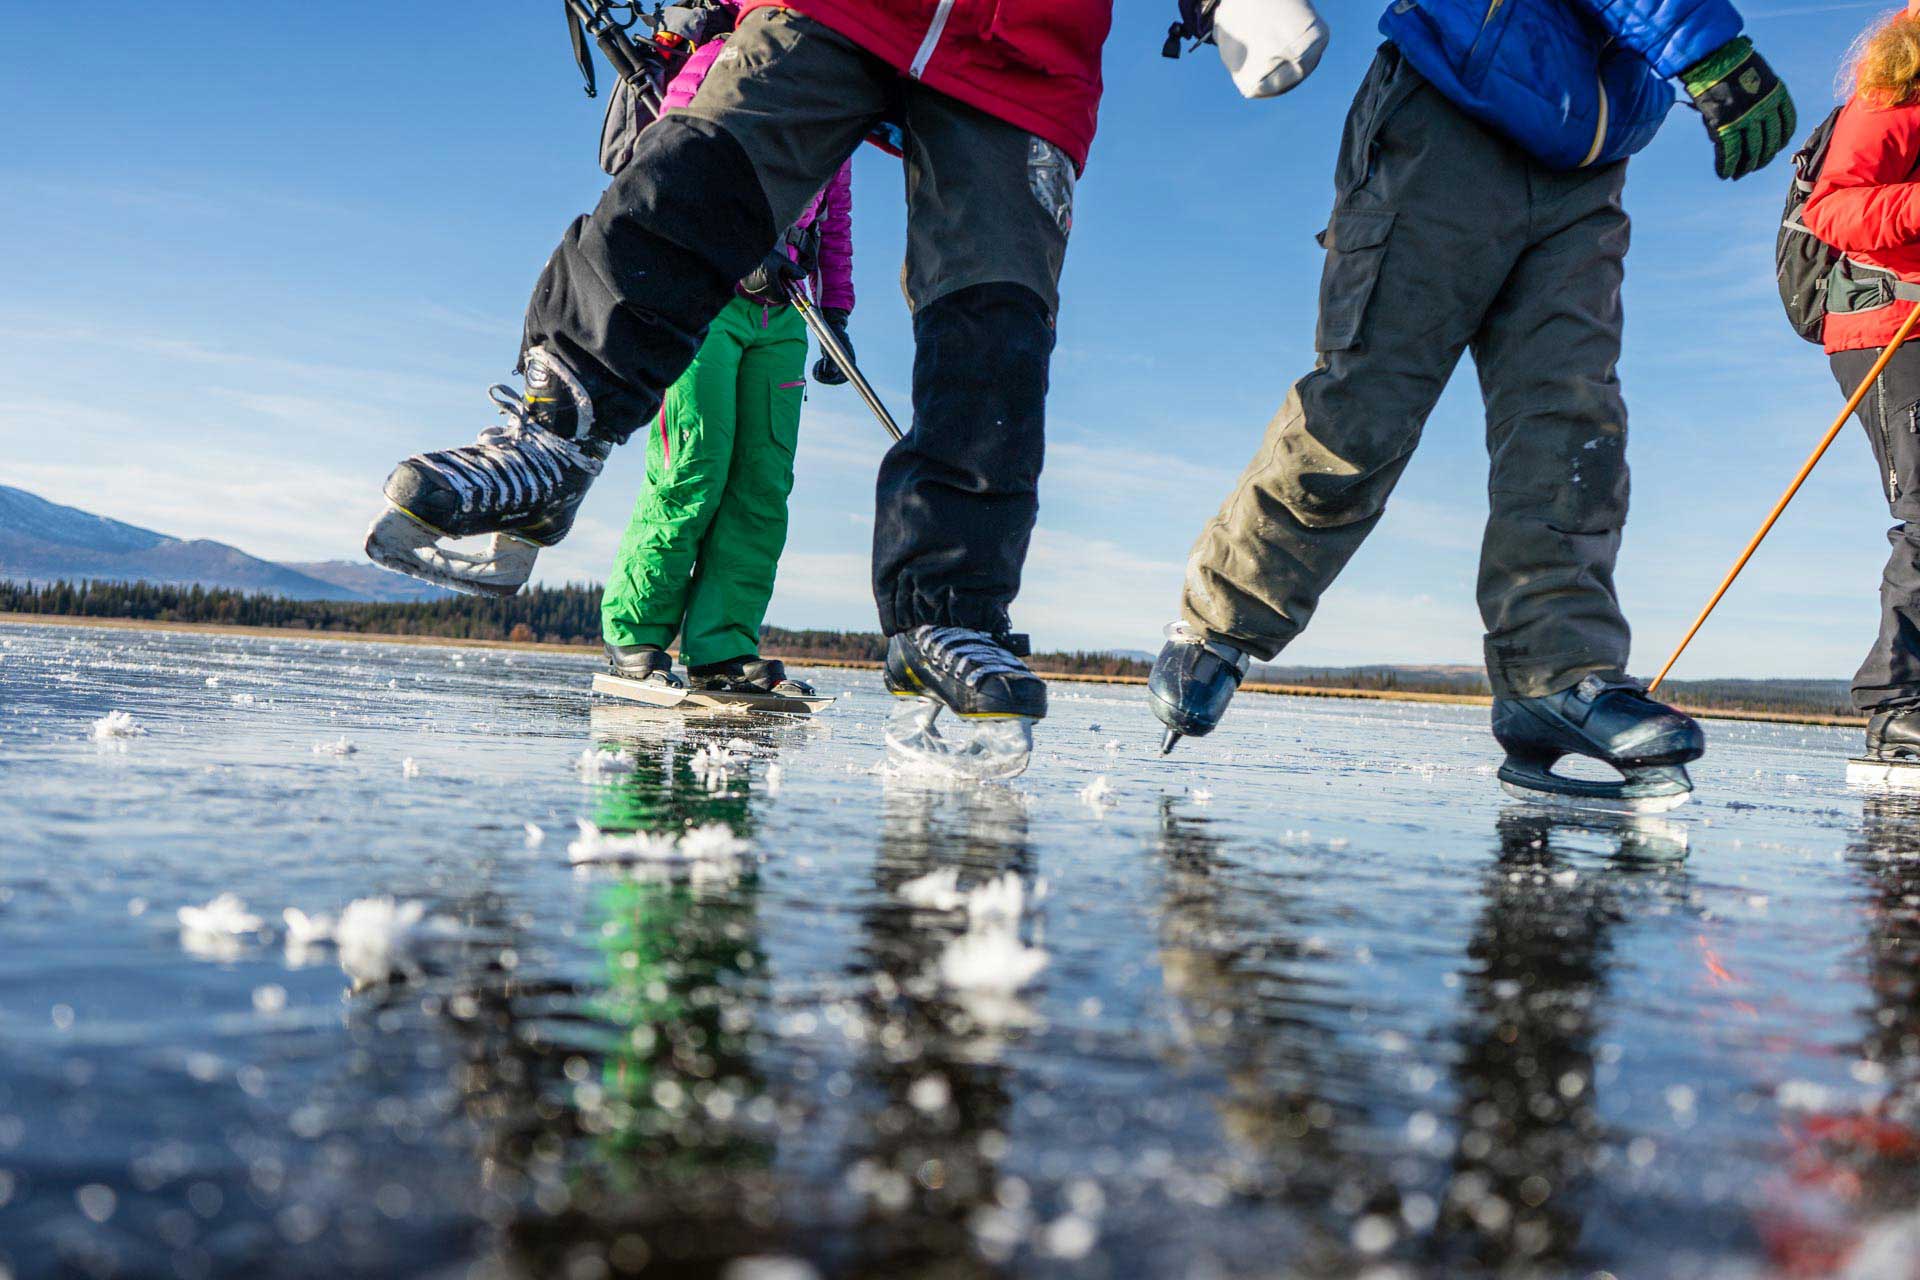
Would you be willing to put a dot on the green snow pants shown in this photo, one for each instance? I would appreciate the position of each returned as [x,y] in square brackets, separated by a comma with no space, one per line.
[699,555]
[1526,274]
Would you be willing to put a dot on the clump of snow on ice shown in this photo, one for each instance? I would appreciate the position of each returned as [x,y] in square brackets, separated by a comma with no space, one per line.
[934,891]
[989,959]
[602,764]
[739,746]
[242,699]
[1200,795]
[409,768]
[217,930]
[774,776]
[115,724]
[1098,794]
[536,836]
[213,682]
[991,962]
[1113,746]
[305,934]
[379,937]
[714,842]
[339,748]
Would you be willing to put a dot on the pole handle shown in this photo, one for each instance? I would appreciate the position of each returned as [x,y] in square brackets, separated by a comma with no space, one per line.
[1806,469]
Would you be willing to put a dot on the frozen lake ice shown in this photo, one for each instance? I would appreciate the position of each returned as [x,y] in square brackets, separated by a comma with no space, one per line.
[308,966]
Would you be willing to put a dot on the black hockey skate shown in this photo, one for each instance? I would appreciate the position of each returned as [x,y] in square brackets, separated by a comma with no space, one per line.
[649,664]
[749,675]
[1193,680]
[1892,759]
[978,677]
[1612,721]
[520,483]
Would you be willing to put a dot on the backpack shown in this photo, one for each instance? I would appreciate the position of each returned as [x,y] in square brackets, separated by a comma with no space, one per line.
[1815,278]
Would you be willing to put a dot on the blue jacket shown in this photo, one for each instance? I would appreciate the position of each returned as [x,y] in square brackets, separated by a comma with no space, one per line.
[1574,82]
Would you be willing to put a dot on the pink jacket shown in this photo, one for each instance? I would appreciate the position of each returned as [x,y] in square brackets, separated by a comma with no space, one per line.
[831,207]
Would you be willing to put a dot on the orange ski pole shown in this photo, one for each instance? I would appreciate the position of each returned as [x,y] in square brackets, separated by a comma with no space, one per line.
[1806,469]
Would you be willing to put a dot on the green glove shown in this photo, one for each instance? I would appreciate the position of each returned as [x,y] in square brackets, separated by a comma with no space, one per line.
[1748,113]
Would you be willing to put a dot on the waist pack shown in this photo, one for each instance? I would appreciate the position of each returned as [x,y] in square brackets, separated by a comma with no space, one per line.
[1817,280]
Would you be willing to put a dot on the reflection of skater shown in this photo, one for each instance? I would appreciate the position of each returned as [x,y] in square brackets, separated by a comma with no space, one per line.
[700,553]
[998,111]
[1536,119]
[1864,205]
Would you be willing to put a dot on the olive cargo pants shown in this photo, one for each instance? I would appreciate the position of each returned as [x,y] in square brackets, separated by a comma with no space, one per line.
[1445,237]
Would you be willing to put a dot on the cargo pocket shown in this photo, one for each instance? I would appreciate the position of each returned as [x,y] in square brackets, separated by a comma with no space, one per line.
[1356,245]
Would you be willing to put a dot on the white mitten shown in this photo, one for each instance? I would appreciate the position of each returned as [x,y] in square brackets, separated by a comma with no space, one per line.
[1268,46]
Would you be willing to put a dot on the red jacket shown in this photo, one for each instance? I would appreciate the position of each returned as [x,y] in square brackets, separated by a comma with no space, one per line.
[1867,205]
[1033,63]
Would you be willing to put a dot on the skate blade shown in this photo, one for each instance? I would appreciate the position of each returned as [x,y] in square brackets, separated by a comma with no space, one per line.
[989,750]
[403,544]
[1572,802]
[1884,775]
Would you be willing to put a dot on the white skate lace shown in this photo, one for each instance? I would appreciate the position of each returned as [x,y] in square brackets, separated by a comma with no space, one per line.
[516,463]
[969,656]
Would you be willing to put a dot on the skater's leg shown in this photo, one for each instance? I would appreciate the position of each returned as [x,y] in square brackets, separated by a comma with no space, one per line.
[1889,677]
[740,553]
[689,451]
[989,207]
[1557,439]
[1411,269]
[627,295]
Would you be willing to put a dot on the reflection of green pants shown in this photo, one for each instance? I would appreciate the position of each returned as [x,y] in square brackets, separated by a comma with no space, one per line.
[699,555]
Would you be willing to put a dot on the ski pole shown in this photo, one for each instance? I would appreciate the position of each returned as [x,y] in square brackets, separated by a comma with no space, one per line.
[830,343]
[1806,469]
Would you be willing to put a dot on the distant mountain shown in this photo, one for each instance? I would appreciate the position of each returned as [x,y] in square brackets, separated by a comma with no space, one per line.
[368,581]
[41,541]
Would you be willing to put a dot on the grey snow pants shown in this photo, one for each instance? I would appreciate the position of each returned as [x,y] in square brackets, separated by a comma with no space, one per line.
[1445,237]
[1890,675]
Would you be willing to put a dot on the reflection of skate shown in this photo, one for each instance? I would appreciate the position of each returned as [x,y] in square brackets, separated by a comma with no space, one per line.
[981,680]
[1611,721]
[992,748]
[1892,759]
[520,485]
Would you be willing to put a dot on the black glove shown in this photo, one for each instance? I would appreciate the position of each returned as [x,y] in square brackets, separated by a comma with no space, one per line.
[767,283]
[825,371]
[1748,113]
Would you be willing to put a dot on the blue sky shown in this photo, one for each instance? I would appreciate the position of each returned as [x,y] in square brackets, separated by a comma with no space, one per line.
[256,253]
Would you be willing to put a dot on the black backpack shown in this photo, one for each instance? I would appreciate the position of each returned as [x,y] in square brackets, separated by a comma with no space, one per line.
[1815,278]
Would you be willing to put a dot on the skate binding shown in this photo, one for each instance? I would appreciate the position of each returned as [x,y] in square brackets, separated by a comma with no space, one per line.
[519,485]
[1192,681]
[645,663]
[980,678]
[1611,721]
[766,676]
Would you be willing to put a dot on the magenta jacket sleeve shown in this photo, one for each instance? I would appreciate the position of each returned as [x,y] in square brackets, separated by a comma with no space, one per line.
[690,77]
[836,241]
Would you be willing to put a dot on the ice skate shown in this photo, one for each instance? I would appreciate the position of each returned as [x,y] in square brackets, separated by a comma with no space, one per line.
[1892,758]
[1193,679]
[519,485]
[1612,721]
[644,663]
[982,681]
[750,675]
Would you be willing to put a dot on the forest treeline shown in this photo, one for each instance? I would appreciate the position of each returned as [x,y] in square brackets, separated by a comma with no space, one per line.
[571,615]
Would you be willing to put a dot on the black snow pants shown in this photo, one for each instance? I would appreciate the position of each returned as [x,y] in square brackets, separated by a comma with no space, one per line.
[1890,676]
[627,297]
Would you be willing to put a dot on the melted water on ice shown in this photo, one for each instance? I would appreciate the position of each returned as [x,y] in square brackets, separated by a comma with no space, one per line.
[512,988]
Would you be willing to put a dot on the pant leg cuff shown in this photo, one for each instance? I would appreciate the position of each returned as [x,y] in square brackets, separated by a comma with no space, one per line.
[1536,676]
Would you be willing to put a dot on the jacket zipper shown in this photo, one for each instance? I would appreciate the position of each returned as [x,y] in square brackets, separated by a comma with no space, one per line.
[1600,132]
[935,30]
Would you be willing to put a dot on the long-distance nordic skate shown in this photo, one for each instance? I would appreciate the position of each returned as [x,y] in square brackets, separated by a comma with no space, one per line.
[1193,680]
[978,677]
[645,674]
[1892,759]
[519,485]
[1612,721]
